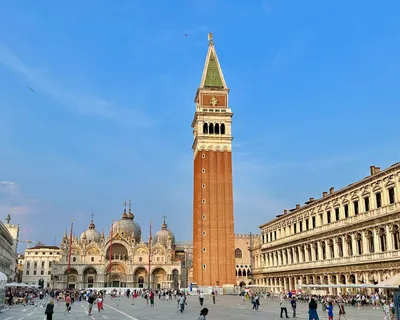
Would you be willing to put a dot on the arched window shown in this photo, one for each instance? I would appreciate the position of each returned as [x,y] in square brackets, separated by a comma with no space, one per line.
[217,128]
[92,259]
[240,273]
[340,247]
[349,246]
[141,282]
[73,259]
[359,243]
[90,282]
[211,128]
[222,128]
[205,128]
[244,273]
[238,254]
[370,237]
[382,239]
[395,237]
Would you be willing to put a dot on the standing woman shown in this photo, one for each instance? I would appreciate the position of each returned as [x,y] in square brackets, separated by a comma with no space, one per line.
[203,314]
[312,310]
[49,310]
[100,302]
[342,312]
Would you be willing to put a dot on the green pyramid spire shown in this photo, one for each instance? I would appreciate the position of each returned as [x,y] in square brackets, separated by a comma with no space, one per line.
[213,77]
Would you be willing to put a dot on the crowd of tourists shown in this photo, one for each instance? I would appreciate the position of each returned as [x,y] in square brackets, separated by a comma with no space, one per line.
[327,303]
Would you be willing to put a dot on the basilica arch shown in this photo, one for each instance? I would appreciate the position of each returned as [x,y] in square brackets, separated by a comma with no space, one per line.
[140,277]
[159,278]
[116,275]
[90,277]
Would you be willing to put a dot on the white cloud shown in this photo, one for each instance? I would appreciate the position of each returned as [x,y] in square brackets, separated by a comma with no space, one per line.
[13,201]
[9,187]
[81,102]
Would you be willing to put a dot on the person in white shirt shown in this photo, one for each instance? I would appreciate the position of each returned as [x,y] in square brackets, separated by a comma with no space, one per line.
[201,298]
[283,307]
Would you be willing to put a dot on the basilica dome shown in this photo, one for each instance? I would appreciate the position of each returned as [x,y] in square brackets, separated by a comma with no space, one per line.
[91,234]
[126,226]
[164,235]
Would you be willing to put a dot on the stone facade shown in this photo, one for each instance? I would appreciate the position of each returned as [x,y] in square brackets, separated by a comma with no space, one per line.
[213,226]
[7,254]
[120,259]
[350,236]
[38,262]
[243,259]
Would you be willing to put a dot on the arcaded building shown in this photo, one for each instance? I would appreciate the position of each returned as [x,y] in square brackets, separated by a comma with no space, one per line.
[349,236]
[213,219]
[119,259]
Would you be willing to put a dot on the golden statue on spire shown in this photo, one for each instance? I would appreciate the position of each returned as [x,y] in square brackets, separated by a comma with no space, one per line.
[210,39]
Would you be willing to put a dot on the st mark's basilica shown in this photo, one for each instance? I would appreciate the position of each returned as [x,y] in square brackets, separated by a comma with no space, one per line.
[118,259]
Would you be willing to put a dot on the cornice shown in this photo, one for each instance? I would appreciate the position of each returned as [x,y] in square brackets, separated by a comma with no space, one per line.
[395,168]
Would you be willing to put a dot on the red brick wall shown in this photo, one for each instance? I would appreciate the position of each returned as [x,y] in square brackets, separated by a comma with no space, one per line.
[219,240]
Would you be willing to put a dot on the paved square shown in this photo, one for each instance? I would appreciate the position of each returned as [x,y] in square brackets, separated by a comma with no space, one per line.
[226,307]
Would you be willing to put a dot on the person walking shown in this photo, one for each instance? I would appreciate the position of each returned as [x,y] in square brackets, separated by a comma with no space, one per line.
[67,304]
[100,302]
[182,302]
[312,310]
[49,310]
[330,310]
[203,314]
[294,306]
[341,310]
[90,301]
[283,307]
[201,298]
[213,296]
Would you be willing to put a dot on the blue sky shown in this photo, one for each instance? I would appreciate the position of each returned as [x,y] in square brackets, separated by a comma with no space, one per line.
[314,88]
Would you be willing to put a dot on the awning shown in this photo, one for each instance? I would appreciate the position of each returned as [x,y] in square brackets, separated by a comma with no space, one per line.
[3,280]
[393,282]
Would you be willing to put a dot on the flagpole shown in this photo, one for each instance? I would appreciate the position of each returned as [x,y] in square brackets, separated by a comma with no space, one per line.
[69,252]
[109,267]
[149,276]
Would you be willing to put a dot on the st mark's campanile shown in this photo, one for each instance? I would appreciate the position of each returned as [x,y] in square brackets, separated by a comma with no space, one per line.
[213,220]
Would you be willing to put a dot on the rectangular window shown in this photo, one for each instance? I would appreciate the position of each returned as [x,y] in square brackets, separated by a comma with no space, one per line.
[301,226]
[42,264]
[294,228]
[49,272]
[391,195]
[307,224]
[321,219]
[366,204]
[355,203]
[49,264]
[42,272]
[313,221]
[328,217]
[346,210]
[34,273]
[337,215]
[27,272]
[28,265]
[274,235]
[378,197]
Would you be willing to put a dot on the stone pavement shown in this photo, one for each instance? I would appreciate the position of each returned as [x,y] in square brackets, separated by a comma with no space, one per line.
[227,307]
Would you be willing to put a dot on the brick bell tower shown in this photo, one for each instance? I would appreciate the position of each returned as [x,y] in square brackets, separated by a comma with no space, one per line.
[213,225]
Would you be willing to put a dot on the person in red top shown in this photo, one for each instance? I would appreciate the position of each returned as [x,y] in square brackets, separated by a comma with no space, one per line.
[67,303]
